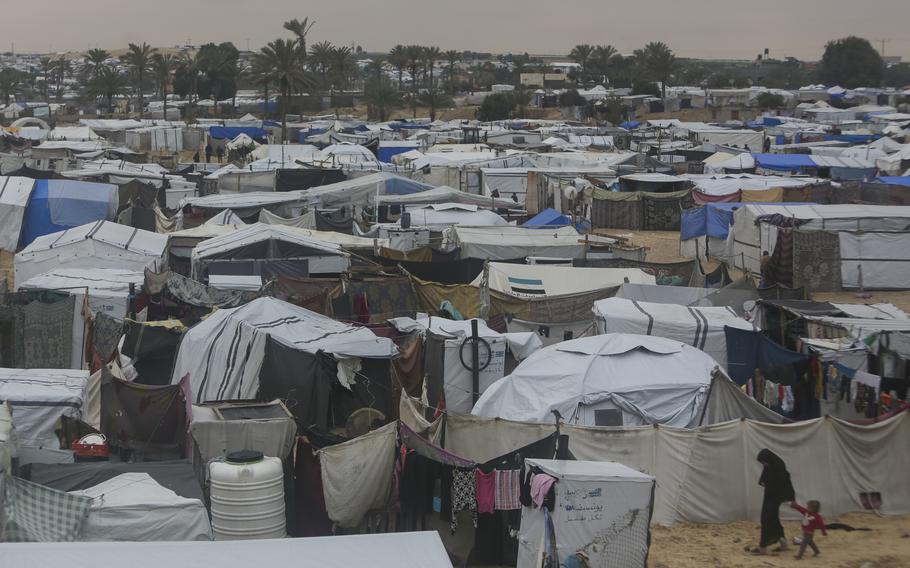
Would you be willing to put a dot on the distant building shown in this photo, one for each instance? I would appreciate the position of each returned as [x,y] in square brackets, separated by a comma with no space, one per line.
[545,80]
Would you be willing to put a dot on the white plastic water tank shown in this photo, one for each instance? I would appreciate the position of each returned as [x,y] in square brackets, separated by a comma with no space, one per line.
[247,493]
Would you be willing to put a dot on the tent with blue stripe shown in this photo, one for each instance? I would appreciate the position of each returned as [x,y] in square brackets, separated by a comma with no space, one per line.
[57,205]
[784,162]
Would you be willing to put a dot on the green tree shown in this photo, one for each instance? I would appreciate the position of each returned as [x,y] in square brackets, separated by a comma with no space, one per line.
[343,66]
[415,63]
[398,58]
[381,98]
[612,110]
[139,58]
[262,75]
[300,29]
[108,83]
[452,57]
[320,61]
[164,65]
[898,75]
[431,55]
[582,54]
[94,59]
[851,62]
[10,80]
[286,58]
[770,101]
[434,100]
[659,62]
[571,98]
[602,59]
[60,69]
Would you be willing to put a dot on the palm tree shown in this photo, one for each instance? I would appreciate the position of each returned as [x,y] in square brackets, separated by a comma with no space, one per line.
[300,30]
[343,65]
[603,58]
[60,68]
[94,59]
[108,83]
[163,67]
[431,55]
[581,54]
[398,58]
[659,61]
[415,61]
[374,68]
[286,57]
[139,57]
[47,70]
[9,82]
[435,99]
[381,98]
[320,60]
[262,75]
[452,57]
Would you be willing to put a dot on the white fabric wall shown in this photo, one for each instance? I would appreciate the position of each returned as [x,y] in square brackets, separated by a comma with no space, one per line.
[883,257]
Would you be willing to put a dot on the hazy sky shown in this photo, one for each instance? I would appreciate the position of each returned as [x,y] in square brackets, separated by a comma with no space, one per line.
[693,28]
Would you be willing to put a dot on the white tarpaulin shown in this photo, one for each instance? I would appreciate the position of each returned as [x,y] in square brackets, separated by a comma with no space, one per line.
[391,550]
[102,244]
[305,221]
[357,475]
[700,327]
[14,196]
[224,352]
[439,217]
[509,243]
[445,194]
[623,378]
[539,280]
[38,398]
[601,508]
[875,260]
[134,507]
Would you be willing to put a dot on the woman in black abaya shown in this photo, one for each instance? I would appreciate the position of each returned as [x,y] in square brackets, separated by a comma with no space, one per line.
[778,490]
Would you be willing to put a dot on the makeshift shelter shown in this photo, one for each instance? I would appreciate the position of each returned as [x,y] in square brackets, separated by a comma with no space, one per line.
[106,289]
[700,327]
[246,205]
[361,191]
[96,245]
[637,210]
[15,193]
[620,379]
[440,216]
[134,507]
[56,205]
[39,397]
[224,353]
[509,243]
[600,508]
[539,280]
[267,251]
[548,218]
[445,194]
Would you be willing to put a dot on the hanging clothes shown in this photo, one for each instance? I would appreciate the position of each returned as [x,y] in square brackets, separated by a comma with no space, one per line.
[486,490]
[508,488]
[464,495]
[540,486]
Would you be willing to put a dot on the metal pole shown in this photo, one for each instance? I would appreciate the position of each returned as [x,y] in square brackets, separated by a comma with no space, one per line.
[475,364]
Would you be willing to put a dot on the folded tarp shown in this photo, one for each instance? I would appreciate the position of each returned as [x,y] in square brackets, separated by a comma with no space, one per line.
[699,327]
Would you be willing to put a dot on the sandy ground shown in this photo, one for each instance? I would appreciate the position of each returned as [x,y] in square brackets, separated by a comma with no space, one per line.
[722,546]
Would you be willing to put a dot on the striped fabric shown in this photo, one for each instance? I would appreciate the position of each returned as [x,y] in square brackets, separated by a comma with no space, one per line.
[508,486]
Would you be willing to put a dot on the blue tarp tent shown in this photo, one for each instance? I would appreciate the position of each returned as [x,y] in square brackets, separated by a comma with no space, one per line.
[771,121]
[630,124]
[548,218]
[750,350]
[853,138]
[711,219]
[895,180]
[387,150]
[784,162]
[231,132]
[57,205]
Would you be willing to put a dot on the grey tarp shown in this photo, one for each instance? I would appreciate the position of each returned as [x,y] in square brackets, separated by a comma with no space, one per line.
[192,292]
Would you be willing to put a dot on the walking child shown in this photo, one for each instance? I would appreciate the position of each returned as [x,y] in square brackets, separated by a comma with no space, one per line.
[812,521]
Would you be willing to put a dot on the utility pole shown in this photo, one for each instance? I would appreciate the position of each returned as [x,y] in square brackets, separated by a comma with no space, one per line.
[883,41]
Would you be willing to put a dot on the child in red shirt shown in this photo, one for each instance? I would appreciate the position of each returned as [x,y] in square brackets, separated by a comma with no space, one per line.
[812,521]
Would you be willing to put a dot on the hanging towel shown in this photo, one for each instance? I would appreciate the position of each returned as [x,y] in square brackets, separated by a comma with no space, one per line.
[540,486]
[486,490]
[508,486]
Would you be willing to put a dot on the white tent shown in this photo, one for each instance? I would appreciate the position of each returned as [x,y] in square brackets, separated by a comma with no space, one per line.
[322,257]
[226,217]
[700,327]
[508,243]
[539,280]
[601,508]
[446,194]
[361,191]
[102,244]
[224,352]
[619,379]
[443,215]
[14,196]
[39,397]
[390,550]
[134,507]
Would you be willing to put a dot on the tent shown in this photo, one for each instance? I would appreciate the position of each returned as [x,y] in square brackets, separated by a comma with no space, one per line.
[15,193]
[96,245]
[700,327]
[223,354]
[445,194]
[134,507]
[232,132]
[440,216]
[601,508]
[107,289]
[548,218]
[361,191]
[539,280]
[56,205]
[620,379]
[39,397]
[390,550]
[267,250]
[508,243]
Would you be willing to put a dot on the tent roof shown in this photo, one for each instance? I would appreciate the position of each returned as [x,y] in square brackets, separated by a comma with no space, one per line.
[226,217]
[362,189]
[579,470]
[389,550]
[539,280]
[114,234]
[98,281]
[259,232]
[242,200]
[548,217]
[44,385]
[446,194]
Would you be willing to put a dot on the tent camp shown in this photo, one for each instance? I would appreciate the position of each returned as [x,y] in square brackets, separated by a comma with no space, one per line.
[224,353]
[620,379]
[14,196]
[361,191]
[267,251]
[96,245]
[509,243]
[700,327]
[539,280]
[57,204]
[601,508]
[39,397]
[442,215]
[445,194]
[135,507]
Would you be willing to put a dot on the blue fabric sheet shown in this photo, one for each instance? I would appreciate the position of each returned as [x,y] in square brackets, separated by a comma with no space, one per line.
[784,162]
[895,180]
[548,218]
[750,350]
[711,219]
[57,205]
[231,132]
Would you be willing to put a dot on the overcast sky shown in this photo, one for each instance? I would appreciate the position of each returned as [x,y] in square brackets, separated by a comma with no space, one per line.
[693,28]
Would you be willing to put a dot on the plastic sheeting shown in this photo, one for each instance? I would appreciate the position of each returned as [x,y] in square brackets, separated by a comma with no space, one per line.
[540,280]
[56,205]
[305,221]
[875,260]
[507,243]
[39,397]
[15,193]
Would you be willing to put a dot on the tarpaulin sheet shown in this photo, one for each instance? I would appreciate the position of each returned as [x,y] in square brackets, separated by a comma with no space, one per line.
[784,162]
[176,475]
[750,350]
[874,260]
[231,132]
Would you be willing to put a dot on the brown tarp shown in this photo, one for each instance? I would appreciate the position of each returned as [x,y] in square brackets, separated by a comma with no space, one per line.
[638,210]
[314,294]
[143,418]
